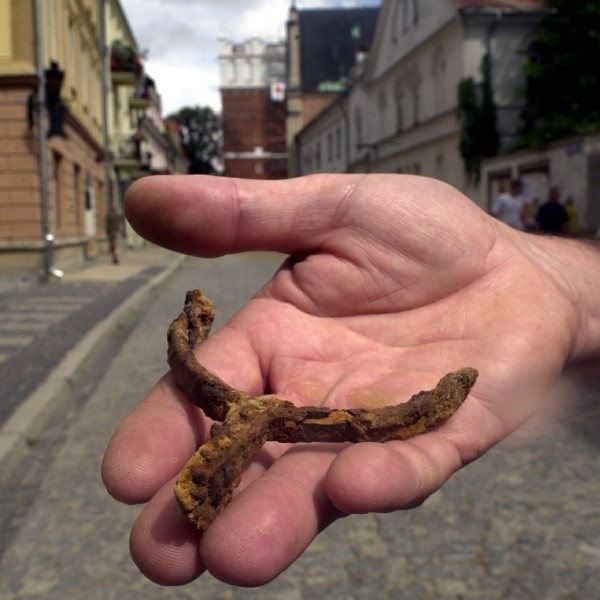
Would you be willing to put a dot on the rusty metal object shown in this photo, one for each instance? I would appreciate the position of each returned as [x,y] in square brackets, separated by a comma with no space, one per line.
[207,481]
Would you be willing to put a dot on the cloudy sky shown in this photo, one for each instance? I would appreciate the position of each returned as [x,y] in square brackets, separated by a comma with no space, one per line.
[181,39]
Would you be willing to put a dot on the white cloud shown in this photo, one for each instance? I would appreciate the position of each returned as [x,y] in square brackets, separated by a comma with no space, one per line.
[181,39]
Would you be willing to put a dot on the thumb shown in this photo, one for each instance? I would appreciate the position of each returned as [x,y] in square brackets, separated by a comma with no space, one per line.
[211,216]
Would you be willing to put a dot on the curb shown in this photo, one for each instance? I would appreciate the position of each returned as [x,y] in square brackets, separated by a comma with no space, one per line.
[28,421]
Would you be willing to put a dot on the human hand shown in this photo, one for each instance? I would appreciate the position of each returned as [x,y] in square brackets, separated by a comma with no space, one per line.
[392,282]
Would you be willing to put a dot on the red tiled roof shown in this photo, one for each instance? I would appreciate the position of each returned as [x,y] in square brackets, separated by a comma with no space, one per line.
[515,4]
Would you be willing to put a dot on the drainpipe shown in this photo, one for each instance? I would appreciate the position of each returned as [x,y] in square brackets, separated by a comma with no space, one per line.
[47,236]
[104,83]
[344,108]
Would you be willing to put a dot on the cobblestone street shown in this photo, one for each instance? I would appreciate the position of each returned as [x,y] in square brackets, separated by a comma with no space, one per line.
[523,522]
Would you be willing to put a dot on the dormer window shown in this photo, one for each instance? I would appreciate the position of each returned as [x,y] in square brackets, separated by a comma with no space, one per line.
[406,15]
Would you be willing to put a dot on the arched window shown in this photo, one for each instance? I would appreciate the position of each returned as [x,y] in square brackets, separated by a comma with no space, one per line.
[358,127]
[399,100]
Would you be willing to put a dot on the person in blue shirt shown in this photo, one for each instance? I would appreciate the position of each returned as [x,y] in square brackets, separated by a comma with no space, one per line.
[552,216]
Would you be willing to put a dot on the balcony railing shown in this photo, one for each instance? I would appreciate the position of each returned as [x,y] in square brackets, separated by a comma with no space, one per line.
[126,147]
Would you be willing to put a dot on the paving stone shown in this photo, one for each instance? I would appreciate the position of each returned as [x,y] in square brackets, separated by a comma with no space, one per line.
[522,522]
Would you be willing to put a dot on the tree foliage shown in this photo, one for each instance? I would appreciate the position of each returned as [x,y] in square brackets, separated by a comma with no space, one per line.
[201,138]
[477,113]
[563,77]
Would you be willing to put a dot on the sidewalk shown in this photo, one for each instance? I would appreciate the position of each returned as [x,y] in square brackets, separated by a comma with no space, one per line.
[132,263]
[48,331]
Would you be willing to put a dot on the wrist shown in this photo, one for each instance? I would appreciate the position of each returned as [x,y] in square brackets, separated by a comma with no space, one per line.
[574,266]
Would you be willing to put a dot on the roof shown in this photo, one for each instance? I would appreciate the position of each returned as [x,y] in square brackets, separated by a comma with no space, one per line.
[329,42]
[506,4]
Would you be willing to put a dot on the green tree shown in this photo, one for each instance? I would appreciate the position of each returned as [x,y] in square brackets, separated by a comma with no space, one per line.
[563,77]
[477,113]
[201,138]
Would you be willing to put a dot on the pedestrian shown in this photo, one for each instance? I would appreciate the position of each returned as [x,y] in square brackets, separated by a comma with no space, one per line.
[392,281]
[552,216]
[531,211]
[114,230]
[509,207]
[573,214]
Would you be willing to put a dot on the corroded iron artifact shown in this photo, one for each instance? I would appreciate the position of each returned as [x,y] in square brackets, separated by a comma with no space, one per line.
[207,481]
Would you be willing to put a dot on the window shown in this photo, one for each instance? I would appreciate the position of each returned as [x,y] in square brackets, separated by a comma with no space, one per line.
[318,156]
[417,102]
[382,104]
[52,28]
[406,5]
[414,80]
[330,147]
[358,127]
[399,98]
[56,178]
[76,193]
[439,166]
[84,78]
[338,143]
[307,161]
[72,57]
[410,14]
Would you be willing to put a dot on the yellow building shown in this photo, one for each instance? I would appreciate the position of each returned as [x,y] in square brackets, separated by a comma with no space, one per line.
[96,118]
[53,201]
[137,139]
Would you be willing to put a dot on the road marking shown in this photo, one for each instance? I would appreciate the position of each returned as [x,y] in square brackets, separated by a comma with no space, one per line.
[25,325]
[48,318]
[36,309]
[15,340]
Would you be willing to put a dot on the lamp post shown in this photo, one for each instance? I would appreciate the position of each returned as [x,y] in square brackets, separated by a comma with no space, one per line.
[54,83]
[54,77]
[104,73]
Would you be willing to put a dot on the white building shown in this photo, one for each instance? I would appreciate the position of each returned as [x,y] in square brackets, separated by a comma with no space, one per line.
[252,63]
[400,116]
[253,75]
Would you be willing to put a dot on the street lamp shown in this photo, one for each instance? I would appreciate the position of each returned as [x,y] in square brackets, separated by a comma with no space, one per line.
[56,109]
[48,96]
[53,80]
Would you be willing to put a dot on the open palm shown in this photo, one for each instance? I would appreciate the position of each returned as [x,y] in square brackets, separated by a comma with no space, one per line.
[392,281]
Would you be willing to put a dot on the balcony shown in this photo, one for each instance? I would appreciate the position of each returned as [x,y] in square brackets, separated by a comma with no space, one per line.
[125,65]
[126,151]
[123,78]
[144,95]
[138,102]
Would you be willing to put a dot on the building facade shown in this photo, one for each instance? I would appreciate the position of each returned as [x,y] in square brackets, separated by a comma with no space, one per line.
[401,115]
[573,165]
[252,76]
[324,48]
[79,121]
[136,135]
[52,178]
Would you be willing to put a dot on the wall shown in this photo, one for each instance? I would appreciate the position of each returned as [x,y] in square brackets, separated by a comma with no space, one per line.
[401,114]
[568,164]
[253,134]
[76,182]
[71,38]
[323,143]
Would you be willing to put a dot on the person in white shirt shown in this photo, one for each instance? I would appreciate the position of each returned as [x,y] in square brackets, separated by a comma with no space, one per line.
[509,207]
